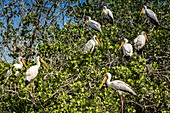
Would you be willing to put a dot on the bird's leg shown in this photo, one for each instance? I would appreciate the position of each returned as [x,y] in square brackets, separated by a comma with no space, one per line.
[15,88]
[145,21]
[121,96]
[142,54]
[150,24]
[152,28]
[33,88]
[10,86]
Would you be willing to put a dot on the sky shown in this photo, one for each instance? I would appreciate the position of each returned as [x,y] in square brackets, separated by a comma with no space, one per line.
[17,20]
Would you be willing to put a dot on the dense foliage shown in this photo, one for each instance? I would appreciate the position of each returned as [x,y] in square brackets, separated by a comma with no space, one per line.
[72,82]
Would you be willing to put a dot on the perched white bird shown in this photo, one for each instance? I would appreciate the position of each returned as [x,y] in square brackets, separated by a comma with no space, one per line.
[20,65]
[93,24]
[90,45]
[120,86]
[152,17]
[127,49]
[107,14]
[17,66]
[32,72]
[140,40]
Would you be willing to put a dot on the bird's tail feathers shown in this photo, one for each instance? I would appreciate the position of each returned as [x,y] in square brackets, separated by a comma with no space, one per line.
[163,27]
[26,83]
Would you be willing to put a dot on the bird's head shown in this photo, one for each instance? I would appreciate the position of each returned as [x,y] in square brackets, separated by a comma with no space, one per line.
[108,75]
[96,39]
[21,59]
[144,7]
[143,33]
[104,8]
[87,19]
[123,42]
[41,60]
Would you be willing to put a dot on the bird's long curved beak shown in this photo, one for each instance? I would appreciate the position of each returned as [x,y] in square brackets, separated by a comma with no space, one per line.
[121,46]
[102,82]
[103,11]
[99,43]
[44,63]
[24,64]
[146,37]
[85,22]
[141,11]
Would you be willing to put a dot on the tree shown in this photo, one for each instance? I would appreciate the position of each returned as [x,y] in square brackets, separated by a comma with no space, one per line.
[71,84]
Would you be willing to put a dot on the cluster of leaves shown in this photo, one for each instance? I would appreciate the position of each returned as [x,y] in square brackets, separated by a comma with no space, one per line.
[71,84]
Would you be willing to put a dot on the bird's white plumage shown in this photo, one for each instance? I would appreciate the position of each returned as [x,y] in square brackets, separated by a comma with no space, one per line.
[93,24]
[32,72]
[120,86]
[16,66]
[139,41]
[108,14]
[17,73]
[20,65]
[150,14]
[127,48]
[8,73]
[90,45]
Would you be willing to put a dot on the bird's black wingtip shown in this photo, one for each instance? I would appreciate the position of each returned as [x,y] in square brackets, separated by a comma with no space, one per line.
[26,83]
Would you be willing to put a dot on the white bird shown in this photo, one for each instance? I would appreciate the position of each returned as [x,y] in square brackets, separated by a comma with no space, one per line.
[120,86]
[20,65]
[90,45]
[32,72]
[127,49]
[107,14]
[140,40]
[17,66]
[92,24]
[150,15]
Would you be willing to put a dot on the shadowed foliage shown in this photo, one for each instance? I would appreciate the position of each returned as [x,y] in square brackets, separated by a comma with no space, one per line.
[71,84]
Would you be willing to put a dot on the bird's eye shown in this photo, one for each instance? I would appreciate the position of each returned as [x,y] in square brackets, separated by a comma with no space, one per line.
[96,38]
[20,59]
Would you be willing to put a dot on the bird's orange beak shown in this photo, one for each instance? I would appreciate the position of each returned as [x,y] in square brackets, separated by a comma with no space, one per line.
[142,11]
[85,22]
[103,11]
[44,63]
[121,45]
[24,64]
[102,82]
[146,37]
[98,42]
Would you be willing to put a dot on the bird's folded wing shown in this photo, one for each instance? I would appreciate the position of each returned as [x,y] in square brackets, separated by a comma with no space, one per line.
[127,48]
[88,46]
[151,15]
